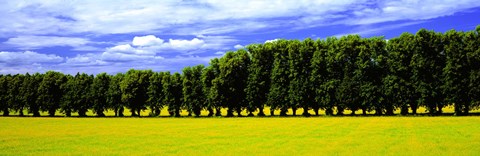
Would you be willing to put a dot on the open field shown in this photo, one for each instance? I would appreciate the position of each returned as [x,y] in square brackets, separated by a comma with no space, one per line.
[241,136]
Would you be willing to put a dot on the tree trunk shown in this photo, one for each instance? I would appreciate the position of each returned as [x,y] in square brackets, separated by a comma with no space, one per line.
[138,112]
[378,111]
[239,111]
[218,112]
[404,110]
[294,111]
[120,112]
[210,111]
[177,113]
[364,111]
[6,112]
[305,112]
[51,112]
[316,110]
[329,111]
[250,114]
[36,113]
[260,112]
[414,108]
[21,112]
[439,107]
[283,112]
[272,112]
[157,111]
[389,110]
[68,113]
[229,112]
[339,110]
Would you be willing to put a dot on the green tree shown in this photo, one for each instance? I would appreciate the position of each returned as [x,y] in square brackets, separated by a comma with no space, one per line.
[134,88]
[50,92]
[193,95]
[4,104]
[172,85]
[99,91]
[15,100]
[155,93]
[428,62]
[258,83]
[114,95]
[472,48]
[300,92]
[319,76]
[69,95]
[212,97]
[279,78]
[398,85]
[29,92]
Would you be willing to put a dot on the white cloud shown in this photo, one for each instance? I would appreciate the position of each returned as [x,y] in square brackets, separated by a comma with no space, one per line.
[36,42]
[208,16]
[148,40]
[238,46]
[27,58]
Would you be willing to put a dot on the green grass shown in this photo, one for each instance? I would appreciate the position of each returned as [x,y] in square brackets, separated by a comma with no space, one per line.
[241,136]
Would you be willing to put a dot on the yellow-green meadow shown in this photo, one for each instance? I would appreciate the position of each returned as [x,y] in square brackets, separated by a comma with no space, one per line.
[241,136]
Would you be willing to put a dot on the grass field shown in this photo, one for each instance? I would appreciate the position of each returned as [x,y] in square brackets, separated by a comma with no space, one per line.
[241,136]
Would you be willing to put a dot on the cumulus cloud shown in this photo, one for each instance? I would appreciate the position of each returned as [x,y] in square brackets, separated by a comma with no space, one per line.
[148,40]
[27,58]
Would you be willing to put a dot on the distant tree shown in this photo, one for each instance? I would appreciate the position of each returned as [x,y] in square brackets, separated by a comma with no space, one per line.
[155,93]
[4,104]
[134,88]
[279,78]
[15,100]
[99,91]
[258,83]
[319,76]
[372,64]
[398,85]
[172,85]
[29,92]
[349,47]
[193,95]
[50,92]
[300,91]
[114,95]
[472,48]
[70,97]
[427,63]
[211,93]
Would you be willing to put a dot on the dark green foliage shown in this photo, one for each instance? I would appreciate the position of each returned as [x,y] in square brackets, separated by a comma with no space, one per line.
[258,83]
[155,93]
[114,95]
[4,104]
[278,94]
[29,92]
[172,89]
[15,99]
[99,91]
[134,88]
[300,92]
[50,93]
[193,95]
[210,90]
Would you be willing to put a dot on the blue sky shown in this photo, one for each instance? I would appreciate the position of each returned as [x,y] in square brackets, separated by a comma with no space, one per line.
[95,36]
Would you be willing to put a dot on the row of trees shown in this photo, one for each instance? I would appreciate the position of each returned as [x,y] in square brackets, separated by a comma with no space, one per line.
[428,69]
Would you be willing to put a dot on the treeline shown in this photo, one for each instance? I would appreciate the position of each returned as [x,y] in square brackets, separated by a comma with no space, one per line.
[426,69]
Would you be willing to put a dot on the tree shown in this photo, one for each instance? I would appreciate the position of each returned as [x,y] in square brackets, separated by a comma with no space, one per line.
[50,92]
[372,64]
[211,93]
[172,85]
[319,76]
[134,88]
[472,48]
[428,62]
[258,82]
[279,78]
[155,93]
[99,91]
[4,80]
[349,47]
[114,95]
[300,91]
[193,95]
[398,85]
[15,101]
[29,92]
[69,95]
